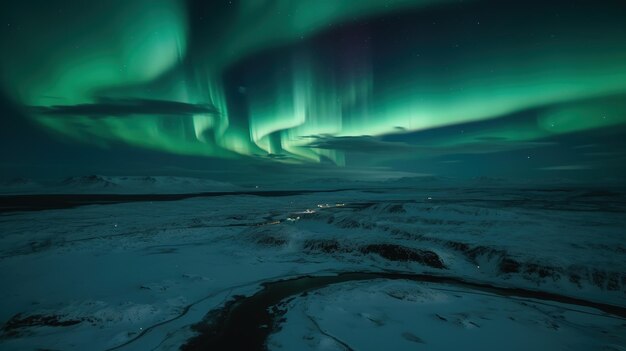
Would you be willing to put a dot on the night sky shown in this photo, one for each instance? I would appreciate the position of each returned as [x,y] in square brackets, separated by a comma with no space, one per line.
[285,90]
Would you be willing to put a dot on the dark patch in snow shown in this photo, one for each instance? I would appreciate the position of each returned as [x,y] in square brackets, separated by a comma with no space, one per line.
[508,265]
[12,327]
[412,337]
[441,318]
[326,246]
[401,253]
[269,240]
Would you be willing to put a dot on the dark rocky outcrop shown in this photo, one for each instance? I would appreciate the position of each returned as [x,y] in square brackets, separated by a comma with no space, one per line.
[13,326]
[326,246]
[393,252]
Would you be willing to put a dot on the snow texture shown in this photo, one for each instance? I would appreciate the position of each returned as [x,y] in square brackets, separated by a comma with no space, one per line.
[136,276]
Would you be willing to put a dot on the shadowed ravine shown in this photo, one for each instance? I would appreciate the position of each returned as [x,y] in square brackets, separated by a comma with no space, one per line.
[244,323]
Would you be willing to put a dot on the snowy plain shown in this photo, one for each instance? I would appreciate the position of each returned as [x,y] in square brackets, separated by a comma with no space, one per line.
[139,276]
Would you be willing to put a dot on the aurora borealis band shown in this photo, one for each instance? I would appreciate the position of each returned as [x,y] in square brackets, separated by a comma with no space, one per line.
[336,83]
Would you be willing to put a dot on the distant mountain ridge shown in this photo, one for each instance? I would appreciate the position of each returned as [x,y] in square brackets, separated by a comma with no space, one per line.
[100,184]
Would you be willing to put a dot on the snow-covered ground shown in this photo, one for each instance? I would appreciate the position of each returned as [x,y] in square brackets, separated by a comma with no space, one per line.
[138,275]
[403,315]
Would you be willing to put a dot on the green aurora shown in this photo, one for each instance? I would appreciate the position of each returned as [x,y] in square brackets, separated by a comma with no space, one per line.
[293,87]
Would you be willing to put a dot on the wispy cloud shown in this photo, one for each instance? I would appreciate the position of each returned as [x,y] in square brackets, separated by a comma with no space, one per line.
[602,154]
[566,168]
[374,145]
[363,143]
[106,107]
[586,146]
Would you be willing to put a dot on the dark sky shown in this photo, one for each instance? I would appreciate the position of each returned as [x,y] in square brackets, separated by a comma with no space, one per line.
[282,90]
